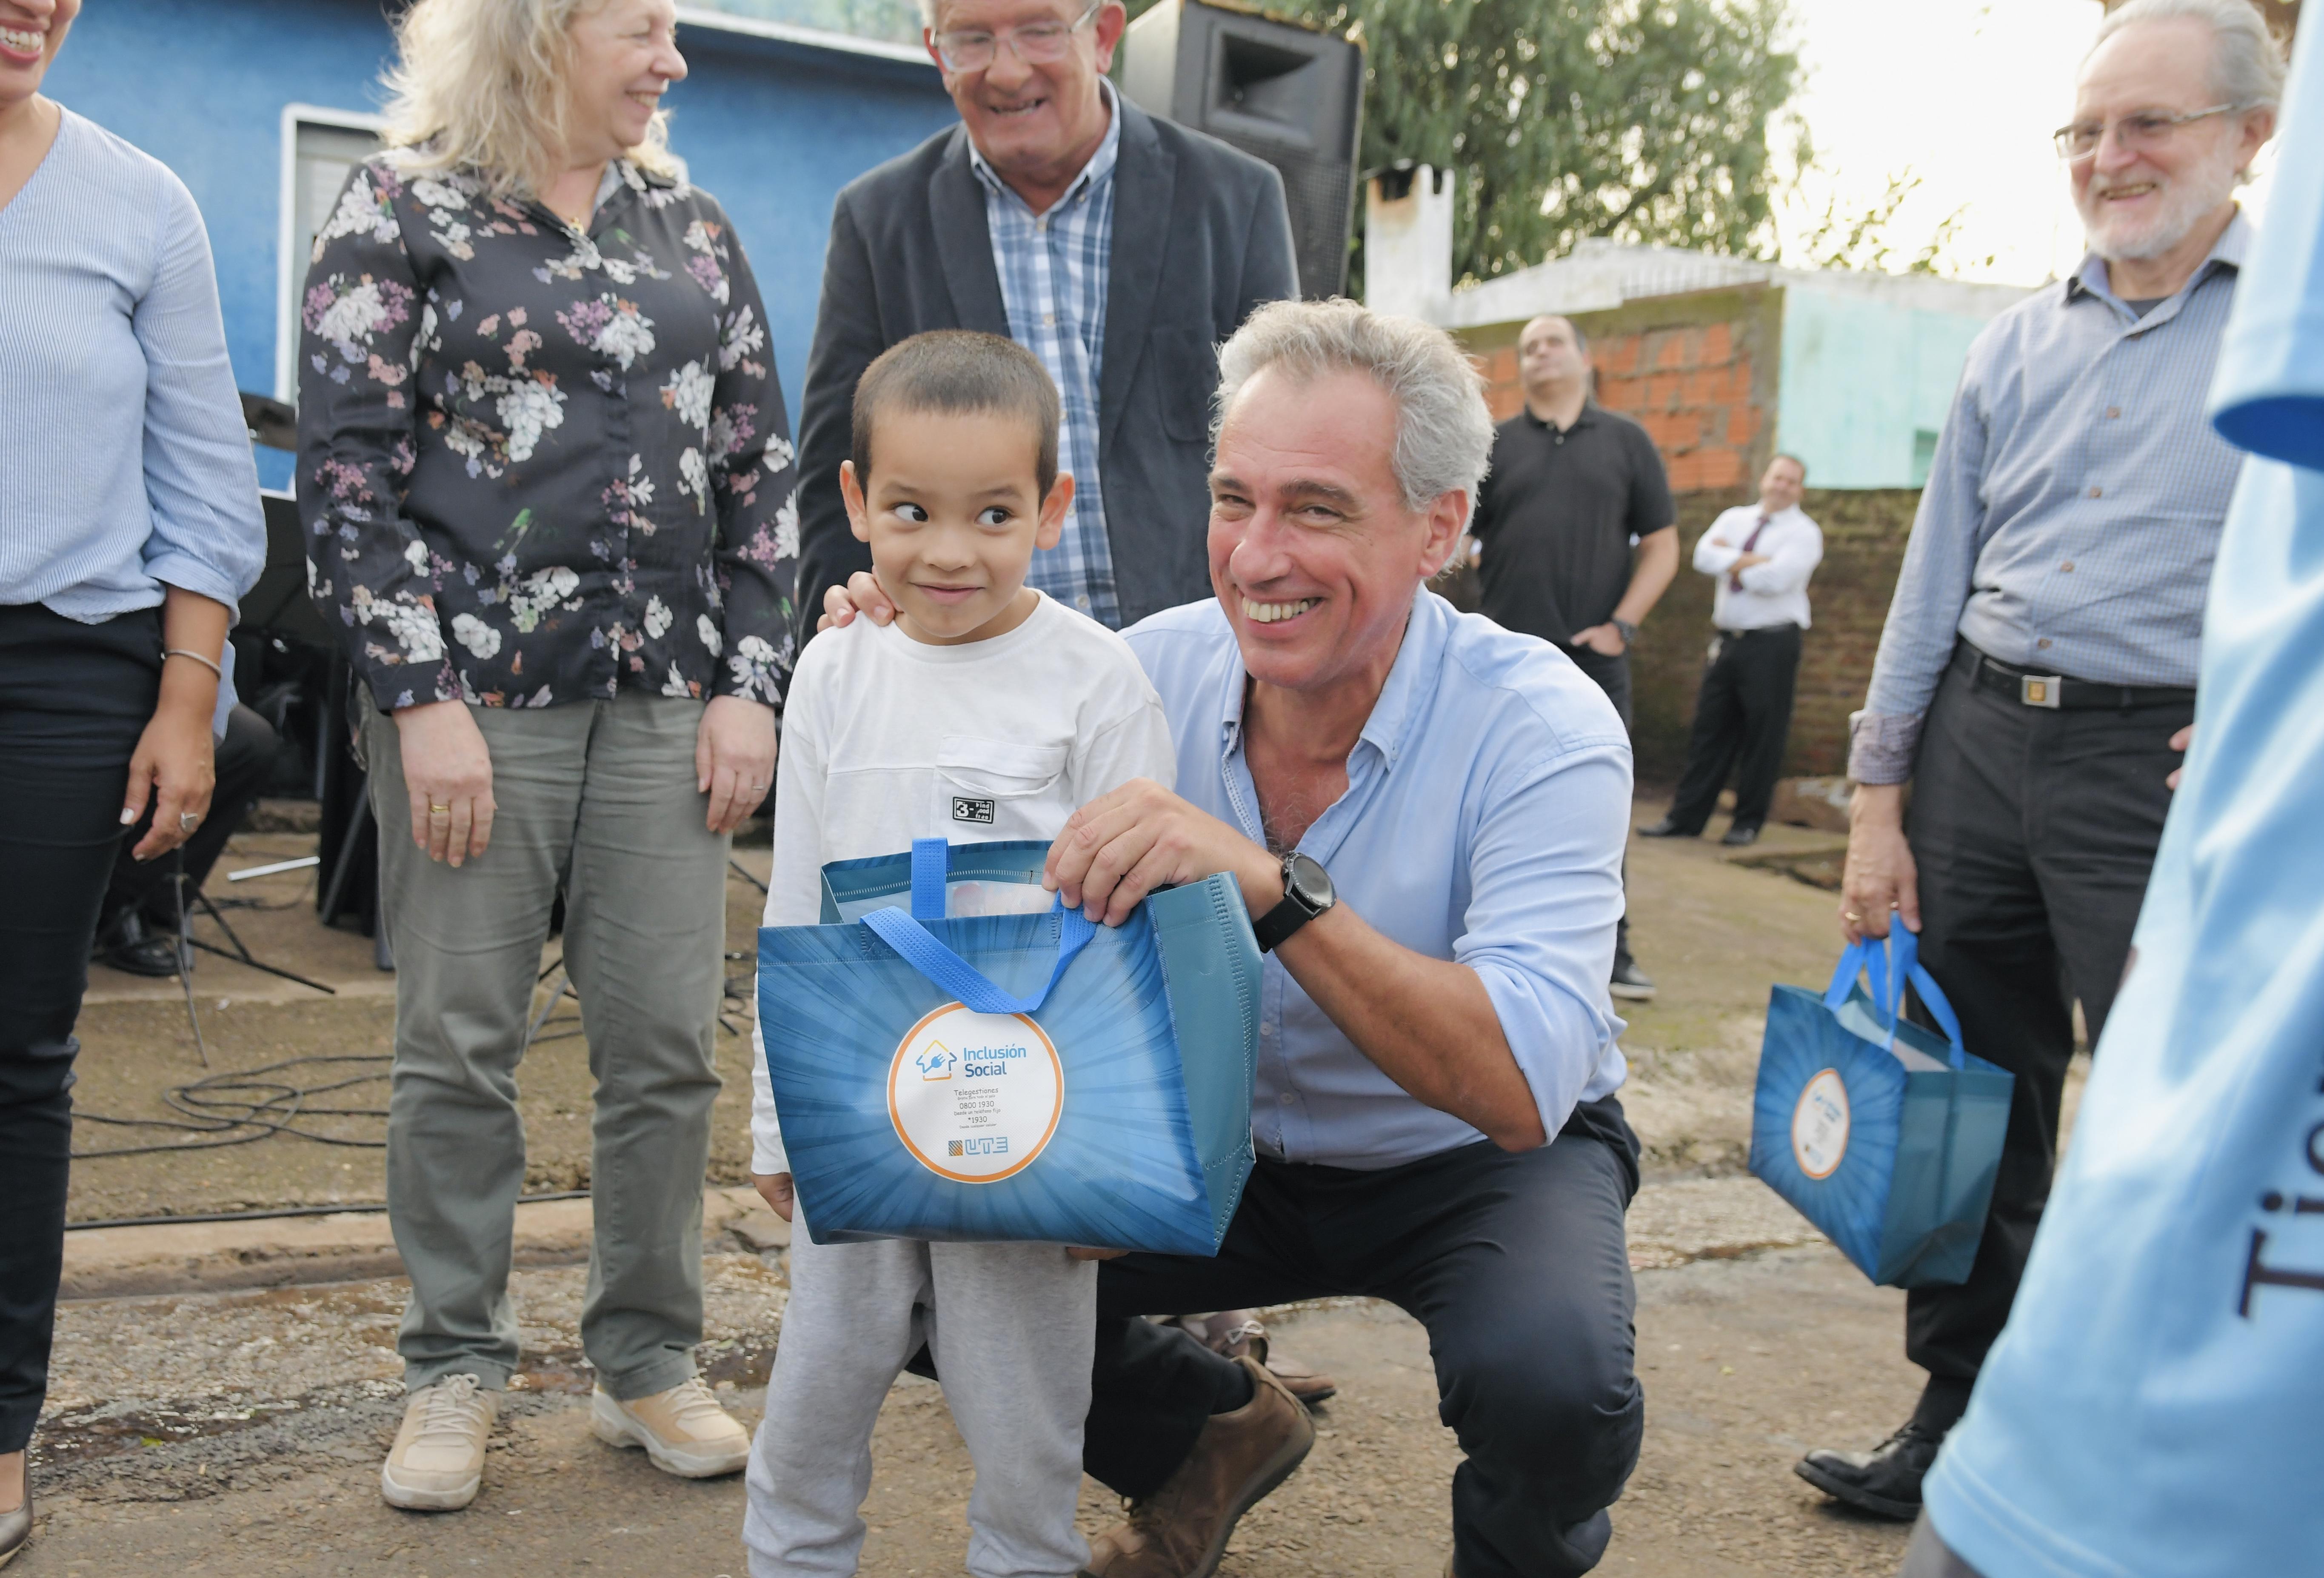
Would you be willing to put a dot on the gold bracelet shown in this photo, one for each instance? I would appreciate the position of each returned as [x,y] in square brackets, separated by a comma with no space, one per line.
[197,656]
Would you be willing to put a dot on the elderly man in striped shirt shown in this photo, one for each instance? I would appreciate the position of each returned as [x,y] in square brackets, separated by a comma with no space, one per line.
[2036,681]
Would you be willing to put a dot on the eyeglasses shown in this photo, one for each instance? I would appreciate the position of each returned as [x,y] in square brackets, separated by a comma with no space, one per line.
[2141,132]
[1039,43]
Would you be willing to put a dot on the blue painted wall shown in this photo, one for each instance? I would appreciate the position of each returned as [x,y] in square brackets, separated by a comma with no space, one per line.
[1861,377]
[773,128]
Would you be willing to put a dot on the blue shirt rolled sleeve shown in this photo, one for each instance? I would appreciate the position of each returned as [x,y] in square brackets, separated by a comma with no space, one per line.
[1925,612]
[201,483]
[1545,892]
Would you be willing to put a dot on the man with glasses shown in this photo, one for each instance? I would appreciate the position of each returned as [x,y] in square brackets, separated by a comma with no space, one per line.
[2036,681]
[1117,247]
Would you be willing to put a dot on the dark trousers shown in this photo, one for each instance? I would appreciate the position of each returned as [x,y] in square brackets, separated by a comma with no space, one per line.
[1927,1557]
[1517,1266]
[1742,717]
[73,700]
[1613,676]
[243,762]
[2034,832]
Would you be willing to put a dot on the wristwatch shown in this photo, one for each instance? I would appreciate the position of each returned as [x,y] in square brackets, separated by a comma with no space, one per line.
[1625,630]
[1306,894]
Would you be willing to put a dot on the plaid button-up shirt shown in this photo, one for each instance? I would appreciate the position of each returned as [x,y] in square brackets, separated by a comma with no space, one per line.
[1054,269]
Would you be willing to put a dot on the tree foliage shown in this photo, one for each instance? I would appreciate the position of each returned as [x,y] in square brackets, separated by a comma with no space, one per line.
[1867,237]
[1640,120]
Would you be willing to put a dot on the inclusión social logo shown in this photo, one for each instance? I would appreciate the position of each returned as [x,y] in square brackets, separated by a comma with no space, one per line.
[1819,1124]
[984,1112]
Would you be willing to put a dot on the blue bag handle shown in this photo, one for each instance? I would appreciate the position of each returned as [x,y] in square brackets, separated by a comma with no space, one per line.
[931,871]
[1873,958]
[976,990]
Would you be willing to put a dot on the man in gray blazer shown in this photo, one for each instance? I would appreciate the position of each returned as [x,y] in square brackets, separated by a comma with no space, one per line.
[1119,248]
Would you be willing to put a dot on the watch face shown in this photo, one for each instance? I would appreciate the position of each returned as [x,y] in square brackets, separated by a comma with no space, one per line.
[1307,881]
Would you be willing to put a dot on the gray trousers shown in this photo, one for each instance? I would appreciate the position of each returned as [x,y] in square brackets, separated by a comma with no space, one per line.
[599,798]
[1012,1327]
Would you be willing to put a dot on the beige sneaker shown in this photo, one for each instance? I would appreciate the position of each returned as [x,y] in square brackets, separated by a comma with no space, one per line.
[683,1430]
[437,1461]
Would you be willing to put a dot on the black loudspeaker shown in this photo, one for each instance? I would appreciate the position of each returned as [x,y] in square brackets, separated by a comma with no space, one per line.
[1280,92]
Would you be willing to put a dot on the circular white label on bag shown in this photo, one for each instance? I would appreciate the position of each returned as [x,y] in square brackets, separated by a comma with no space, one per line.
[975,1096]
[1820,1125]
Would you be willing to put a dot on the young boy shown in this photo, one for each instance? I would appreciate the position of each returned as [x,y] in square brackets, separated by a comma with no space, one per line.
[985,711]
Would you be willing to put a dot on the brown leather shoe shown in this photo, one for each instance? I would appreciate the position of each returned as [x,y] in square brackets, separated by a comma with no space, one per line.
[1182,1529]
[1237,1332]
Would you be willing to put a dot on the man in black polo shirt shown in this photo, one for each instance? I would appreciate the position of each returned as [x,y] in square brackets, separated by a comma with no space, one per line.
[1575,533]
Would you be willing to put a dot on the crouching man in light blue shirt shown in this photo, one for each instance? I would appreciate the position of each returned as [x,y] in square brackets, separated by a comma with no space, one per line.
[1427,815]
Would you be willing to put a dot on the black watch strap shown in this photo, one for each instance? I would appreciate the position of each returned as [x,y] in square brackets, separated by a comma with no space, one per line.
[1296,909]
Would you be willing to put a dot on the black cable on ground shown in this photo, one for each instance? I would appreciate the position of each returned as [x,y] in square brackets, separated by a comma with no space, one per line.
[241,1105]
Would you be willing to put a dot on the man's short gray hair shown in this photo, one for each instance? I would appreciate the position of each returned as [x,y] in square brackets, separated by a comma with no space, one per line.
[2246,62]
[1443,433]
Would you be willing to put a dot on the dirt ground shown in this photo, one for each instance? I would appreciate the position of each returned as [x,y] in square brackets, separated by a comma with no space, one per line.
[241,1432]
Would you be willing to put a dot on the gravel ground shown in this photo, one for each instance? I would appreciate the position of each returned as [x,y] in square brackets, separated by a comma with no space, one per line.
[241,1432]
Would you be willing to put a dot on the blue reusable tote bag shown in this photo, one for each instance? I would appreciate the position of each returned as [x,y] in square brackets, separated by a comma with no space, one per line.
[1012,1075]
[1885,1136]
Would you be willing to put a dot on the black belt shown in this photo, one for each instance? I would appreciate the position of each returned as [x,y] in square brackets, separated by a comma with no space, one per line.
[1737,635]
[2061,692]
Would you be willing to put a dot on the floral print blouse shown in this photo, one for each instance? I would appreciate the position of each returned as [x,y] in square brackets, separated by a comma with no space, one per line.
[538,466]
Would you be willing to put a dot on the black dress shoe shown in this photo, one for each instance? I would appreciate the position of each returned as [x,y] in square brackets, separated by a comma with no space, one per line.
[1886,1480]
[1666,828]
[1741,834]
[126,942]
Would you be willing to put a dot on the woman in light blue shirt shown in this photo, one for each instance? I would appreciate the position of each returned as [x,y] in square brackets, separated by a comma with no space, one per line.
[129,526]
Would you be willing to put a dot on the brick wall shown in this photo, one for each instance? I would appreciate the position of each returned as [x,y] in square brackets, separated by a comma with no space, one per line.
[1699,371]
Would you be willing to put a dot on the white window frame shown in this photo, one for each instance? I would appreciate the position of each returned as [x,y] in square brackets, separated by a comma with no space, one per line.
[290,272]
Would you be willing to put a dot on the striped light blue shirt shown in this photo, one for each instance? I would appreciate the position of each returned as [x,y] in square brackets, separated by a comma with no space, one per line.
[1487,804]
[1054,269]
[2074,504]
[126,462]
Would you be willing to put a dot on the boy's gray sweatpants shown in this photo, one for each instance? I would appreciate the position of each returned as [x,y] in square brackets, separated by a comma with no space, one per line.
[1012,1327]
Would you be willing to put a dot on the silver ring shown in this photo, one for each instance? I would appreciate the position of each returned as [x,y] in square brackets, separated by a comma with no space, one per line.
[187,821]
[757,786]
[1849,915]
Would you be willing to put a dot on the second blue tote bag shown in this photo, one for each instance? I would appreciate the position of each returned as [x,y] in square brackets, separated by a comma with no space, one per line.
[1013,1074]
[1885,1136]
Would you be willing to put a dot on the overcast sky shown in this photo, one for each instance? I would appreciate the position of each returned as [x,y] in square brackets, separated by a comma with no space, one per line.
[1964,94]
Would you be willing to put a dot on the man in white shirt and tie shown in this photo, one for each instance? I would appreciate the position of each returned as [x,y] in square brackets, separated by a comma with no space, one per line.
[1760,556]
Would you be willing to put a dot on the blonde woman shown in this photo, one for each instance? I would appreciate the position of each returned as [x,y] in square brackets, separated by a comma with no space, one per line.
[549,493]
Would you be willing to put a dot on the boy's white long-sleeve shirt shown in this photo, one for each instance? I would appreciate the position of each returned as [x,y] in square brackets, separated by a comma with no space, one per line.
[886,739]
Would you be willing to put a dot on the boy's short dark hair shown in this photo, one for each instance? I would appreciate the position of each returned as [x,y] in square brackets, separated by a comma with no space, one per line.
[959,370]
